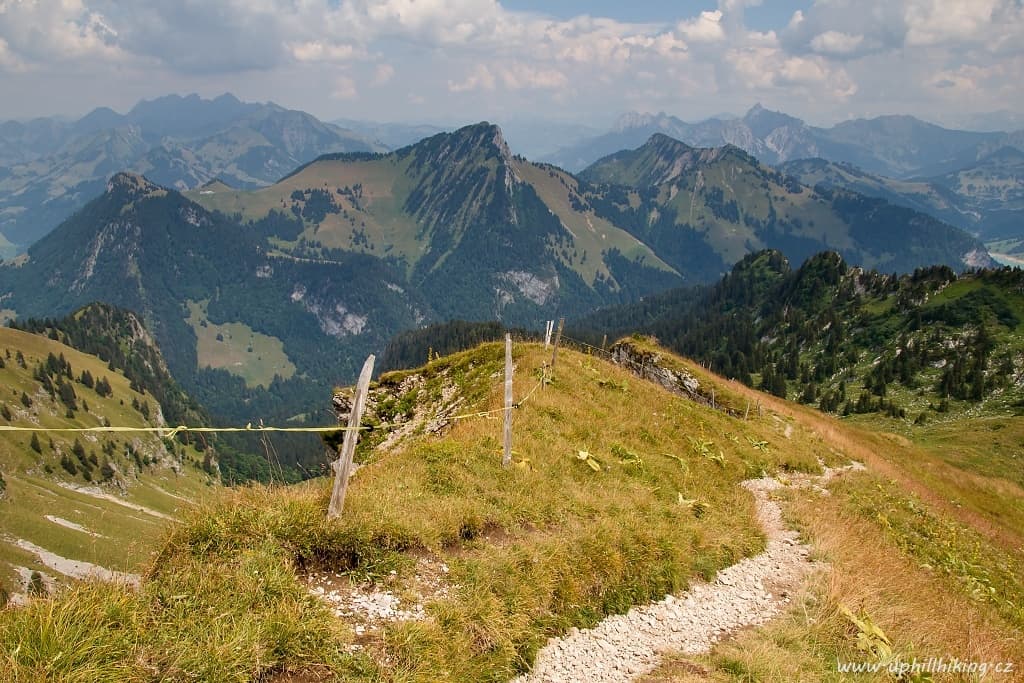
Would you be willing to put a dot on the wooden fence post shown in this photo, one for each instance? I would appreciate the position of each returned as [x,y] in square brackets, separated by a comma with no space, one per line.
[558,338]
[343,465]
[604,341]
[506,459]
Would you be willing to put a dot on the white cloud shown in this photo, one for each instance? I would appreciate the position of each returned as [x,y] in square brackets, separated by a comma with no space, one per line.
[705,28]
[836,43]
[516,76]
[319,51]
[8,61]
[828,56]
[55,30]
[767,68]
[932,22]
[525,77]
[344,88]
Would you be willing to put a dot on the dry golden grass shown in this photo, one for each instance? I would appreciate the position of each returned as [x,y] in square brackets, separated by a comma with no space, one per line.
[922,612]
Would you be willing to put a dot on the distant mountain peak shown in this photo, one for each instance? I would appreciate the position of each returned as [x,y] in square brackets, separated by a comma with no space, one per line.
[661,160]
[633,120]
[498,140]
[483,137]
[134,185]
[661,140]
[1005,153]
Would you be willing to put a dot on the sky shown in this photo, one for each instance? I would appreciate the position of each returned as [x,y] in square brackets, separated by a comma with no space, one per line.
[456,61]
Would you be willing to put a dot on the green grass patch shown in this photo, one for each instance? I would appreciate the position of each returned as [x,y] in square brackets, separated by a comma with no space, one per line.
[129,472]
[257,358]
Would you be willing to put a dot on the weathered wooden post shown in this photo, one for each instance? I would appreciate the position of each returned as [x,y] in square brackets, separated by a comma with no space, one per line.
[604,341]
[343,465]
[558,338]
[506,459]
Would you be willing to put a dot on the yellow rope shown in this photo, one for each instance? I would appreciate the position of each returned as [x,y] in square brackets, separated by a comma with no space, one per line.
[171,432]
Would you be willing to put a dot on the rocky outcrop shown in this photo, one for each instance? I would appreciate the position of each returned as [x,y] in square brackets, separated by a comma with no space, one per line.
[648,365]
[398,406]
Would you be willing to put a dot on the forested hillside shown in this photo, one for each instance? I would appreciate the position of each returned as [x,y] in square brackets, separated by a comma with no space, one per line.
[845,339]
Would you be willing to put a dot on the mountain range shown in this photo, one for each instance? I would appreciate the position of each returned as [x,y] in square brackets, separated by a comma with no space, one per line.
[895,146]
[695,206]
[264,299]
[50,168]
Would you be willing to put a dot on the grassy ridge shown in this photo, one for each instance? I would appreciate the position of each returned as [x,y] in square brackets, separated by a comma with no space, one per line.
[549,544]
[147,479]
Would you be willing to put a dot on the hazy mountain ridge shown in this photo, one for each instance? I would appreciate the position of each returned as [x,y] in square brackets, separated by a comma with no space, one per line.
[985,197]
[391,135]
[897,146]
[52,168]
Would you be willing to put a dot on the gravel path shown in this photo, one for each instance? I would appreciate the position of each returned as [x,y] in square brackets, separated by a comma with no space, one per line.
[748,593]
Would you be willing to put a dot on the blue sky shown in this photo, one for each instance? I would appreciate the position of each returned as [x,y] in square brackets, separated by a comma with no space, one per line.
[456,61]
[764,17]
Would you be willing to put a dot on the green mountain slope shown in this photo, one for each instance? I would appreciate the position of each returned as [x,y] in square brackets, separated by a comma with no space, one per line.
[150,250]
[693,206]
[480,232]
[917,347]
[97,498]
